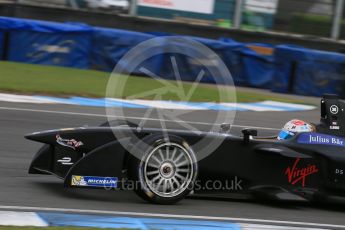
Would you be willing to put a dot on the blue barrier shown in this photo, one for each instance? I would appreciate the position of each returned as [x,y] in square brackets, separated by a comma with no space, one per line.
[189,67]
[229,51]
[248,67]
[258,69]
[290,70]
[67,44]
[48,43]
[308,72]
[110,45]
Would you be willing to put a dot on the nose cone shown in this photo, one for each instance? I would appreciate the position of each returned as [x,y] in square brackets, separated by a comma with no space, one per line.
[44,136]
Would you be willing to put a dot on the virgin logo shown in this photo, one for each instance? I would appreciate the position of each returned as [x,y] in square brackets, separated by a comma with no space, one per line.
[296,174]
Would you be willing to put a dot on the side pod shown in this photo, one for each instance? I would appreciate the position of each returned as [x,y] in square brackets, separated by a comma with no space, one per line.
[105,161]
[269,149]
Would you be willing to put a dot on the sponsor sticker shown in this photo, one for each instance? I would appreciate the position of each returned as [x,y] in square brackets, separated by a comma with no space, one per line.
[66,161]
[320,139]
[70,143]
[334,126]
[334,109]
[339,171]
[297,174]
[94,181]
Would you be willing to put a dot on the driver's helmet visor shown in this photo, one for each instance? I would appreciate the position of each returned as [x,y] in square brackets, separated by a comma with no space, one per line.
[284,135]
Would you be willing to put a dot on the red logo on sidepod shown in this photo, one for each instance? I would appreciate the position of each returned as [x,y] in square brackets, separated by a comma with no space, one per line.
[296,174]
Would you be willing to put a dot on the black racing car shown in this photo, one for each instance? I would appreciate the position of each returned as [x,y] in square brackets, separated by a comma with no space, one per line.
[164,168]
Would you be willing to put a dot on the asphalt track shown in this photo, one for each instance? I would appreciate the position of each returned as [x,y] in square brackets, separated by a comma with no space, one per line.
[20,189]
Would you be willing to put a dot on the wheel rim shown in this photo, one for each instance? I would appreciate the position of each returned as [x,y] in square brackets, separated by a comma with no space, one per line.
[168,170]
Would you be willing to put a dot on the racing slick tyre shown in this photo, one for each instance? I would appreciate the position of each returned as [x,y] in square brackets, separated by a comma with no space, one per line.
[115,123]
[164,170]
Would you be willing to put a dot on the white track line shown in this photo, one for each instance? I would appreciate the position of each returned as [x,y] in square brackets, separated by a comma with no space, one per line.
[120,117]
[274,227]
[21,219]
[161,215]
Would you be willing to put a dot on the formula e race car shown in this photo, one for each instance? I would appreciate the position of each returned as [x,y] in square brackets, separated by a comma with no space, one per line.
[164,168]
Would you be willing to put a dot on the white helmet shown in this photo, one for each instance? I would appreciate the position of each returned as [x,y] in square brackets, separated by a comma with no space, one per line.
[294,127]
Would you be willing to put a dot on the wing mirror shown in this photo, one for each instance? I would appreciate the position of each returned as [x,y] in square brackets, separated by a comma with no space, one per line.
[225,127]
[247,133]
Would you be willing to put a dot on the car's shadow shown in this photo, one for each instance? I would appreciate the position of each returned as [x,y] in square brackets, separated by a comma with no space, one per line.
[129,197]
[89,193]
[293,205]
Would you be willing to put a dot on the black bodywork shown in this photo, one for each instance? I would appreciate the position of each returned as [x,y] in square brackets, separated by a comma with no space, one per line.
[308,166]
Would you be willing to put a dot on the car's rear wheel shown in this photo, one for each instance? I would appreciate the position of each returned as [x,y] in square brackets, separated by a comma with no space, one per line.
[166,170]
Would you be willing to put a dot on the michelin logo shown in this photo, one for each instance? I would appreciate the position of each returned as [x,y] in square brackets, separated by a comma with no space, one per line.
[93,181]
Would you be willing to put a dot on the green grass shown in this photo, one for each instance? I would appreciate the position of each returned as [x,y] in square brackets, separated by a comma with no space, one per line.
[58,81]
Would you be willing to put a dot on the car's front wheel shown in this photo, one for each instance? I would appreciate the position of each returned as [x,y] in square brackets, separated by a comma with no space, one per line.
[165,169]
